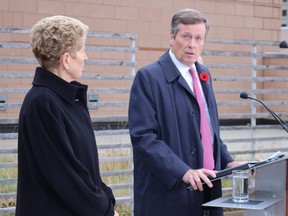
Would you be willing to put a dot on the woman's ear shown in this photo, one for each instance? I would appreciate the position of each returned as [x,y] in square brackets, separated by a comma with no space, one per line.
[64,60]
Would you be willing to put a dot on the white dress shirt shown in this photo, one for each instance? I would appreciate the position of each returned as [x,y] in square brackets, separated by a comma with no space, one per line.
[184,70]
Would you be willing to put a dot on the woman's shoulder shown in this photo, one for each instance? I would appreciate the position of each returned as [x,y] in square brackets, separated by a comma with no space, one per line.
[40,97]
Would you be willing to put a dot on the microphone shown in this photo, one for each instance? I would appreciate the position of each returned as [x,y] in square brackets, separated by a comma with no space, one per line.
[284,125]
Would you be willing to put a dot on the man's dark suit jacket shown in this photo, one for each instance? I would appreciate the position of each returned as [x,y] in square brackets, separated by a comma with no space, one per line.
[164,122]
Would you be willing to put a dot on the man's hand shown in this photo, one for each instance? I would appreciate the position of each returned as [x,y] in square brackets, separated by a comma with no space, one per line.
[195,177]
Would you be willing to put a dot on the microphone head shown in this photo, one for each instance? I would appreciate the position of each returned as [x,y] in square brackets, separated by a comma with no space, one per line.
[244,95]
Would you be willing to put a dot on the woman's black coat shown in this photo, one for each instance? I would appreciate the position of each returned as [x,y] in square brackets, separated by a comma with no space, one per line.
[57,154]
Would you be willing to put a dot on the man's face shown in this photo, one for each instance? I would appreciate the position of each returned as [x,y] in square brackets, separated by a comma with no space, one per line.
[188,43]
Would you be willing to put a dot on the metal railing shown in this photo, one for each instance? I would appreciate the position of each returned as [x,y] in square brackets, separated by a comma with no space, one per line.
[251,76]
[262,80]
[123,58]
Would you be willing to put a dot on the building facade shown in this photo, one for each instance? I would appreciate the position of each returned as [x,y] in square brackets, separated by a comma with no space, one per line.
[251,20]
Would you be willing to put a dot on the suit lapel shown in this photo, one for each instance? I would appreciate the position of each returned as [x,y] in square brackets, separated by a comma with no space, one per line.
[171,72]
[205,84]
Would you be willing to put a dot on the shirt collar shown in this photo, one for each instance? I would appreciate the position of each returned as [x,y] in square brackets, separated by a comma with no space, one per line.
[181,67]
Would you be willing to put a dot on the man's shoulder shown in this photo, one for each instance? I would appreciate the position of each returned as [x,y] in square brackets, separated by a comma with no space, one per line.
[151,66]
[157,65]
[201,67]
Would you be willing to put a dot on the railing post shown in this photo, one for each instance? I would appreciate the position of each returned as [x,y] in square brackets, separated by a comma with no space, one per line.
[133,72]
[253,88]
[133,56]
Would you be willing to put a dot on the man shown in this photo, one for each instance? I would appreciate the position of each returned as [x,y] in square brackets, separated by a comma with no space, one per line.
[164,122]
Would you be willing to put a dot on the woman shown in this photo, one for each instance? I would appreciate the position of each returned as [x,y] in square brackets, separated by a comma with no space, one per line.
[57,154]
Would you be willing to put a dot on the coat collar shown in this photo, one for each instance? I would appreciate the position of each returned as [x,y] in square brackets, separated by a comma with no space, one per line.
[68,91]
[170,70]
[172,73]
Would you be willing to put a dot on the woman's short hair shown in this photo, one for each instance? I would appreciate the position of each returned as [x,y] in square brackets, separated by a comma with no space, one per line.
[187,17]
[53,36]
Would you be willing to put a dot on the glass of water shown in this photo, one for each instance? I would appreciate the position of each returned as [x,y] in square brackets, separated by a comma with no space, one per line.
[240,186]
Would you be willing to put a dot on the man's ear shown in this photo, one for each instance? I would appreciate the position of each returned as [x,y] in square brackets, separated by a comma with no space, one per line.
[171,39]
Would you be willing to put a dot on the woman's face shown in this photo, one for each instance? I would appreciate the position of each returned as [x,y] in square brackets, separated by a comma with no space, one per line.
[74,63]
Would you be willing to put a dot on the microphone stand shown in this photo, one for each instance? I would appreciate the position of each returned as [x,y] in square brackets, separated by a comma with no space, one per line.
[284,125]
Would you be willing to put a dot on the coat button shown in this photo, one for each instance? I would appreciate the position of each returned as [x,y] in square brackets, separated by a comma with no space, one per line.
[193,151]
[191,113]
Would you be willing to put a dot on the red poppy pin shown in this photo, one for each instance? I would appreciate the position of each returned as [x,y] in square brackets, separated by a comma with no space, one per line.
[204,77]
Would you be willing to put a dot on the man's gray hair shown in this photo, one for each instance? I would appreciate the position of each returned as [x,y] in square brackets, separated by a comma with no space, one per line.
[186,17]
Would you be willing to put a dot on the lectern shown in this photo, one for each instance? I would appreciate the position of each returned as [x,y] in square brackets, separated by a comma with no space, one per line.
[269,195]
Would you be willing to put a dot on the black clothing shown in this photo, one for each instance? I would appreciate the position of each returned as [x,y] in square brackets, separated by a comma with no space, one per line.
[57,154]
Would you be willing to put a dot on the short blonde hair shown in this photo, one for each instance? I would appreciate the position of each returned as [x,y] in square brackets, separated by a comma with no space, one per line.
[53,36]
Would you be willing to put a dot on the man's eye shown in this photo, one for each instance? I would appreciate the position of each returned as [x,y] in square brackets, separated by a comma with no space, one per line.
[187,37]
